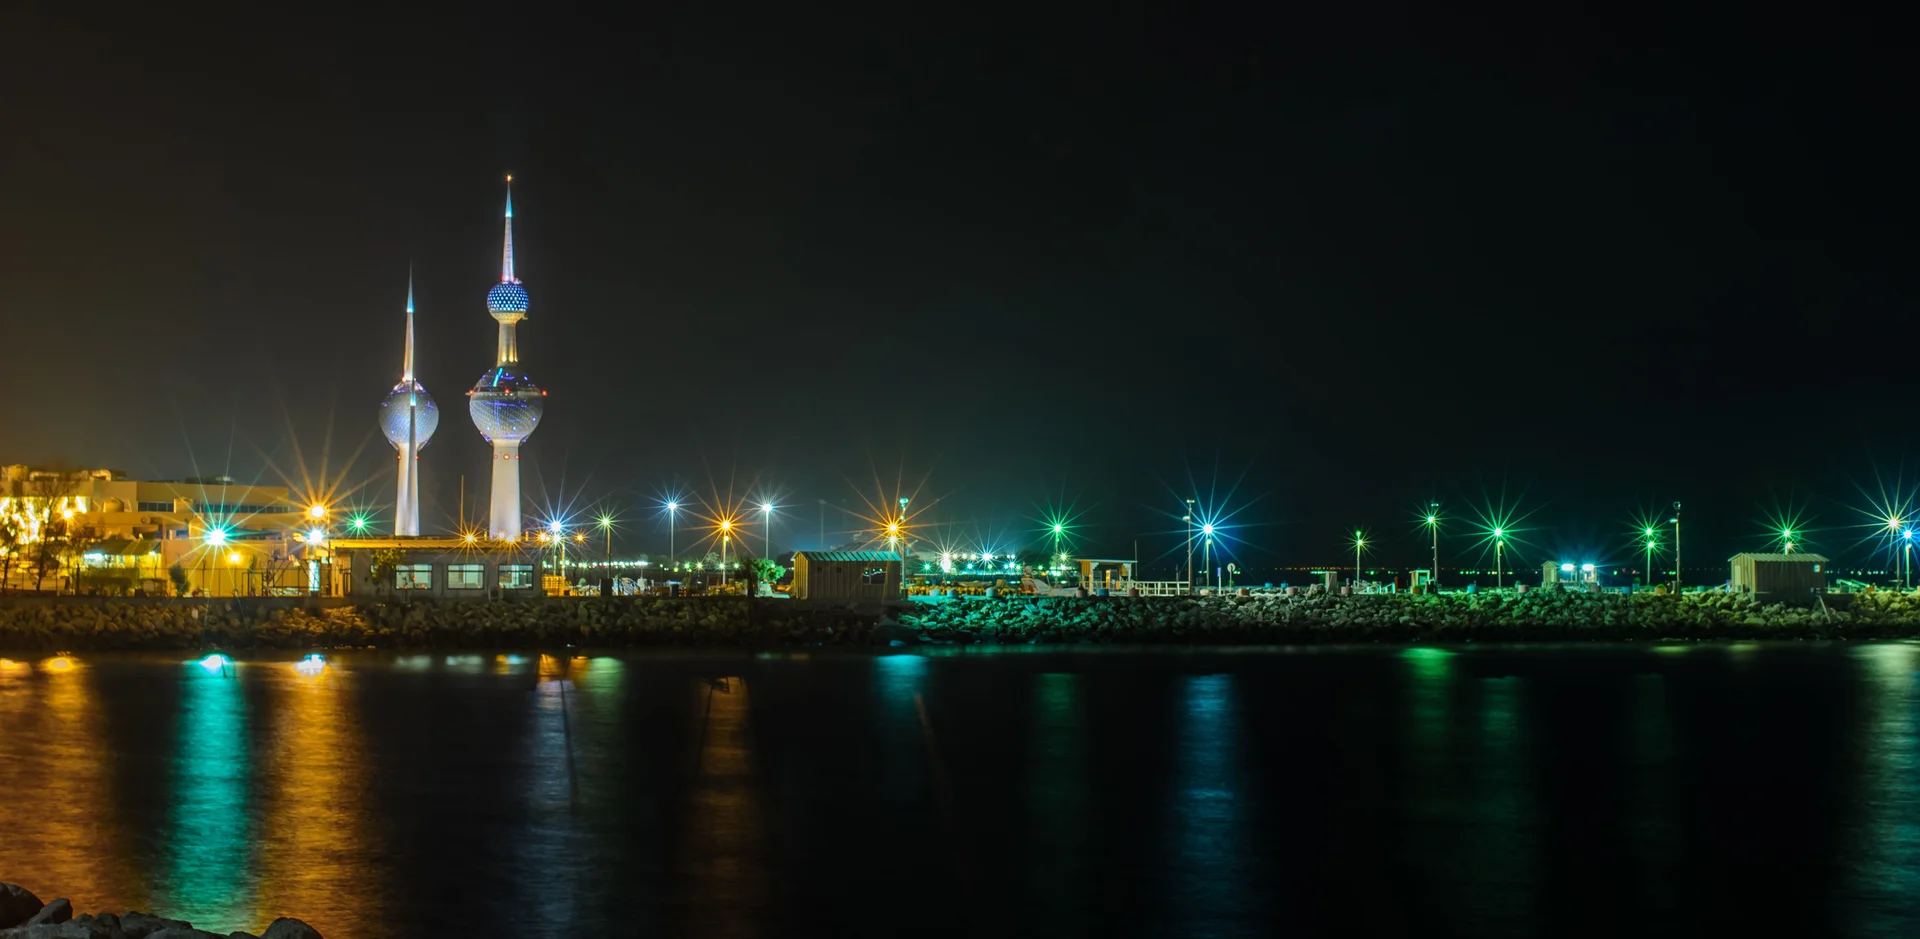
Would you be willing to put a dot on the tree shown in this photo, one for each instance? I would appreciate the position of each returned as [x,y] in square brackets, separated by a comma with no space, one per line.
[383,562]
[178,575]
[764,571]
[11,537]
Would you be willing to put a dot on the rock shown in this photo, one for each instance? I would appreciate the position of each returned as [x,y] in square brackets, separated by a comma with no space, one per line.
[183,932]
[140,925]
[68,930]
[59,911]
[241,935]
[17,905]
[287,927]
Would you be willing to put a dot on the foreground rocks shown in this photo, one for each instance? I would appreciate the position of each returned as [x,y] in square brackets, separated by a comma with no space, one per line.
[55,920]
[1265,618]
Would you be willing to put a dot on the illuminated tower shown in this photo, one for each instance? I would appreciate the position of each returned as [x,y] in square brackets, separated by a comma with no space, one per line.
[506,405]
[408,417]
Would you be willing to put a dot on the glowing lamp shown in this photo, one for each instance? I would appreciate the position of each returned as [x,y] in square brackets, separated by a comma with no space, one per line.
[554,526]
[316,536]
[1566,568]
[1588,568]
[316,511]
[216,536]
[1207,530]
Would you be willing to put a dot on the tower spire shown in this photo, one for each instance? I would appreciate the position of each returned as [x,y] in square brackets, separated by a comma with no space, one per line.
[506,256]
[406,363]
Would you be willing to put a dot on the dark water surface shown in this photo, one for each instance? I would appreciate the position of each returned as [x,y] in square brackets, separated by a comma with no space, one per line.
[1544,791]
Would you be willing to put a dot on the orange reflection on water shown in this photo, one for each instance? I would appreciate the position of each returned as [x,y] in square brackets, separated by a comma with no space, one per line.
[317,847]
[724,861]
[53,740]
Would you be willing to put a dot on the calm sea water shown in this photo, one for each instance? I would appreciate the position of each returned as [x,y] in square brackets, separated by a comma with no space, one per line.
[1545,791]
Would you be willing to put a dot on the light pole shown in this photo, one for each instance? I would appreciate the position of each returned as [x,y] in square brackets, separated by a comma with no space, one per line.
[1649,534]
[1786,539]
[766,510]
[726,535]
[1188,518]
[606,528]
[1058,530]
[1499,558]
[1433,522]
[559,548]
[672,509]
[823,524]
[1359,541]
[1207,553]
[1676,547]
[1906,558]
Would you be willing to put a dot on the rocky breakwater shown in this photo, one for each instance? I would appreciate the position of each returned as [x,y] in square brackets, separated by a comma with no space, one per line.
[1315,616]
[23,916]
[88,625]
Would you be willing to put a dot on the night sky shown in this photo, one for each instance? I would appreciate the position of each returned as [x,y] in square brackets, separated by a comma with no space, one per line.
[1334,259]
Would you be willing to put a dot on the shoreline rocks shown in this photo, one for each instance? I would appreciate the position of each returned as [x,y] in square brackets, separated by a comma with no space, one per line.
[1276,618]
[55,920]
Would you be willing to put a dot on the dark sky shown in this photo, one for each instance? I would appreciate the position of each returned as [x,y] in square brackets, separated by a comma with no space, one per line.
[1346,255]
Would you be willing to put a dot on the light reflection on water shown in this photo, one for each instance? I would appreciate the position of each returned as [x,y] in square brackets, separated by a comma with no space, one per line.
[567,795]
[210,837]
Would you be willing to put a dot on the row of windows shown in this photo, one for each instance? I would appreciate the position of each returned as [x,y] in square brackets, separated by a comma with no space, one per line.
[155,507]
[462,576]
[219,508]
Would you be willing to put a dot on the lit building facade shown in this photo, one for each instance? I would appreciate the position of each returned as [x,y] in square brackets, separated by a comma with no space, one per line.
[505,403]
[99,531]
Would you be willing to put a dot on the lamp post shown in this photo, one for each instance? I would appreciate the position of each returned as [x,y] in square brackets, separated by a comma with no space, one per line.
[766,511]
[673,508]
[1359,541]
[1207,552]
[1433,522]
[1676,547]
[606,528]
[1786,539]
[726,535]
[559,548]
[1499,558]
[1188,518]
[1649,536]
[1058,530]
[1906,557]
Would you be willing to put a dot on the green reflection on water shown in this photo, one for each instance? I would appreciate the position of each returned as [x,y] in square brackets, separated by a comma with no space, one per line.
[209,843]
[1058,851]
[1884,834]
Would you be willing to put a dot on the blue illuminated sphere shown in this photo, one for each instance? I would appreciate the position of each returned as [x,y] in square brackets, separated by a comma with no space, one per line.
[507,298]
[393,414]
[505,406]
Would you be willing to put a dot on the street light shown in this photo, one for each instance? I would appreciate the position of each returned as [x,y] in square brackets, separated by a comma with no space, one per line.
[1359,542]
[1676,547]
[1906,558]
[1433,522]
[558,537]
[766,511]
[1188,518]
[1499,558]
[1207,554]
[672,508]
[605,522]
[1649,536]
[726,535]
[1058,530]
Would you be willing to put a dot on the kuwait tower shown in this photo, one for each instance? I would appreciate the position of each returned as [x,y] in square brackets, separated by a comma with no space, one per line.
[408,418]
[505,404]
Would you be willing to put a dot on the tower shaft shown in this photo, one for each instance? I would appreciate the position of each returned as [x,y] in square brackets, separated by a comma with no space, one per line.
[509,343]
[503,519]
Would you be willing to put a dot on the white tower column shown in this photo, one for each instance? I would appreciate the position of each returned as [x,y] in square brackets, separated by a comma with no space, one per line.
[504,519]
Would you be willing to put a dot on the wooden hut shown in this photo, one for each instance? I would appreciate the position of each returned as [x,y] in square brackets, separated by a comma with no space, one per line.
[846,575]
[1779,575]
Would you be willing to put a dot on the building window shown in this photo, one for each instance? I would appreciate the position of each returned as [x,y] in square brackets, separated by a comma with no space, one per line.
[516,576]
[155,507]
[413,577]
[466,576]
[874,577]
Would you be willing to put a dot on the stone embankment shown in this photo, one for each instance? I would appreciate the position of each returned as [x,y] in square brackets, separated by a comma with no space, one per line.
[23,916]
[1267,618]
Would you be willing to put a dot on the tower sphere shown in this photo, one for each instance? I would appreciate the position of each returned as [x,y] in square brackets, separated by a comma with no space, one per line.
[507,299]
[505,406]
[393,414]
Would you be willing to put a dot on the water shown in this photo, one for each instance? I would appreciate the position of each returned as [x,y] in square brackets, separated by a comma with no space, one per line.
[1545,791]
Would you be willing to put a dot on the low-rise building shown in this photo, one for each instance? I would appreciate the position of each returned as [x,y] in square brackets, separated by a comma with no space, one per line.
[451,568]
[846,575]
[1779,575]
[67,528]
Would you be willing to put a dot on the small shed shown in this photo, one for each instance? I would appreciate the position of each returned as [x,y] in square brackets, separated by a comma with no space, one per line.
[846,575]
[1779,574]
